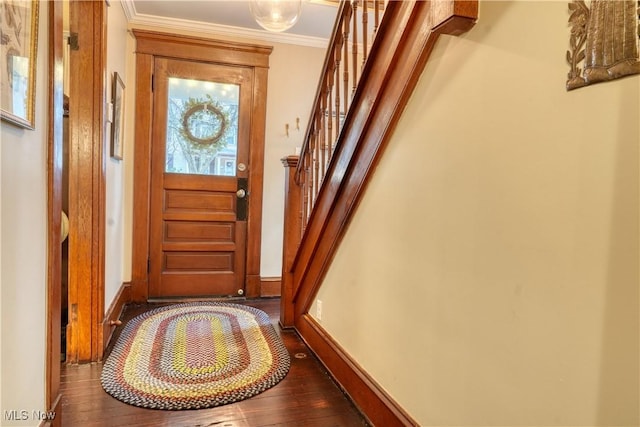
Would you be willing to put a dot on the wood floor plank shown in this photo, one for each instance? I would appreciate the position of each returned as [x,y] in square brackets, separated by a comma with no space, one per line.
[307,396]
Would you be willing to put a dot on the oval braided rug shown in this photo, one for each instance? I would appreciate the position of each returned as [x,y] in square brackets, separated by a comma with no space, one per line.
[195,355]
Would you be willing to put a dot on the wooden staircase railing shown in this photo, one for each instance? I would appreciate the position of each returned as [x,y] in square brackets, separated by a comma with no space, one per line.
[345,59]
[346,56]
[365,58]
[360,98]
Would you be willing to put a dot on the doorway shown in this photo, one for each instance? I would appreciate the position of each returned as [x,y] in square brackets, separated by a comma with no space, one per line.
[197,221]
[85,203]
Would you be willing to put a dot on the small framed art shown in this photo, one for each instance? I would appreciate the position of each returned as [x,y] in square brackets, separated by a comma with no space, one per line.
[117,124]
[19,22]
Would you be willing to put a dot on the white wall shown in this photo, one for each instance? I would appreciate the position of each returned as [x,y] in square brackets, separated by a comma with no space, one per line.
[23,227]
[293,79]
[115,201]
[490,276]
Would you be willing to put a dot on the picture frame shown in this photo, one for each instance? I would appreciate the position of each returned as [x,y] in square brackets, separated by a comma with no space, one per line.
[18,47]
[117,124]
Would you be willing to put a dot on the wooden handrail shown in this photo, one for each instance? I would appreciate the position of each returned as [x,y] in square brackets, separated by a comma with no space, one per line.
[331,103]
[337,129]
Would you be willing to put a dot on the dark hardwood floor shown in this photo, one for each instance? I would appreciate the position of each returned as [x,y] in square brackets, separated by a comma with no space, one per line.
[305,397]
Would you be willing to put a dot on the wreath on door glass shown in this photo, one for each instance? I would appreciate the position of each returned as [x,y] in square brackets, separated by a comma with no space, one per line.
[204,123]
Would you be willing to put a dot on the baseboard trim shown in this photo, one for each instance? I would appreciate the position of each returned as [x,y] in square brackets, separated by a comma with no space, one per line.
[374,403]
[113,314]
[270,286]
[56,411]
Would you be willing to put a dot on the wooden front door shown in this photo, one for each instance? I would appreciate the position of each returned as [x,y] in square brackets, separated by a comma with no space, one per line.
[199,179]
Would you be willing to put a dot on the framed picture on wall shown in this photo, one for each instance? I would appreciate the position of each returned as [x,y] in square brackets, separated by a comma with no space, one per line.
[117,125]
[18,47]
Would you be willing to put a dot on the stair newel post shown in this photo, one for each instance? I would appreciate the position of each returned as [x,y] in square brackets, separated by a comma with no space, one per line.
[292,234]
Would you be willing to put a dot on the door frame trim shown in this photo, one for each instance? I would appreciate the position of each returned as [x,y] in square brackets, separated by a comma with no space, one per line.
[54,208]
[149,45]
[87,183]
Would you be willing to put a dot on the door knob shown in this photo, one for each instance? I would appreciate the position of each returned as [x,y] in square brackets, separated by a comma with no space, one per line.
[241,193]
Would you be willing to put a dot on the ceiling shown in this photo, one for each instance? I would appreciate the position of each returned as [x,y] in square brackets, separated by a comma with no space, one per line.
[232,17]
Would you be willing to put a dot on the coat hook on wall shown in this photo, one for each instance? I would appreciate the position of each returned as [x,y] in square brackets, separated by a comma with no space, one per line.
[286,129]
[297,123]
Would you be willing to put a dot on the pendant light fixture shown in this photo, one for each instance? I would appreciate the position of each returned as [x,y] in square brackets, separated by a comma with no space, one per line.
[276,15]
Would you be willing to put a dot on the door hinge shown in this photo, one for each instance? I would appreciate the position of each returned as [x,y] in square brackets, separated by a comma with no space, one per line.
[148,265]
[72,40]
[153,82]
[73,315]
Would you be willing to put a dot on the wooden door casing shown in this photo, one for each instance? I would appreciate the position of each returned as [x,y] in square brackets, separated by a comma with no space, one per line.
[152,45]
[87,182]
[53,396]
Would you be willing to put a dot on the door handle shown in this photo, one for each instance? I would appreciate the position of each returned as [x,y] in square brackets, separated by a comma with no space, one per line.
[241,193]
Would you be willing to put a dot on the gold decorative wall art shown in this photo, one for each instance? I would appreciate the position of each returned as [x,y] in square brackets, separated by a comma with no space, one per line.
[604,38]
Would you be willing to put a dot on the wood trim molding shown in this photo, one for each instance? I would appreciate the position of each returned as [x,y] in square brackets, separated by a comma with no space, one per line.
[150,44]
[100,173]
[87,177]
[201,49]
[112,316]
[256,178]
[270,287]
[141,178]
[54,208]
[55,411]
[372,401]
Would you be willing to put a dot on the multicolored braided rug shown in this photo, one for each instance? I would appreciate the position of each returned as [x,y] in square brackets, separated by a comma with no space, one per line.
[195,355]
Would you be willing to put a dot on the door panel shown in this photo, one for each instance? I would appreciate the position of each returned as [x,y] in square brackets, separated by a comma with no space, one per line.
[212,261]
[191,231]
[200,154]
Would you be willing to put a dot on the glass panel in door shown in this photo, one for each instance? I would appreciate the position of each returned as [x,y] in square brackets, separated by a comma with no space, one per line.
[202,127]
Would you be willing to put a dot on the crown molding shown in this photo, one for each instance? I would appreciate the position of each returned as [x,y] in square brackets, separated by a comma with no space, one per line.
[129,9]
[179,25]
